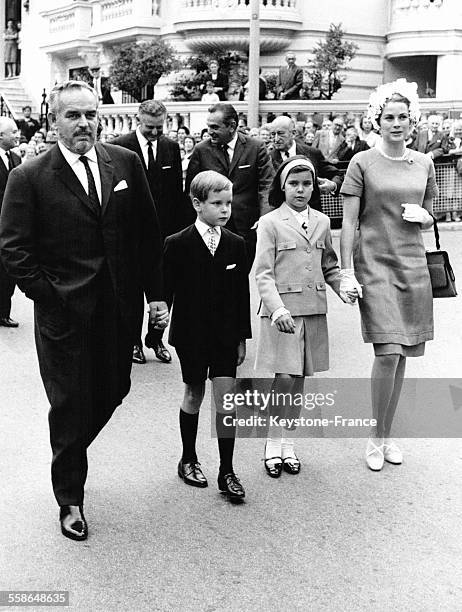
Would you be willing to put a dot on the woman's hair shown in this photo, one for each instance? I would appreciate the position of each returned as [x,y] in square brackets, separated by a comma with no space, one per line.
[276,194]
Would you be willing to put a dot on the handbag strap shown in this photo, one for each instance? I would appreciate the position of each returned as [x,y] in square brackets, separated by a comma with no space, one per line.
[437,234]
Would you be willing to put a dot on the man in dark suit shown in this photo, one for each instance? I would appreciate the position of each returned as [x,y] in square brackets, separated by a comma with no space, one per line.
[290,79]
[9,138]
[206,279]
[285,145]
[28,125]
[102,86]
[161,161]
[79,234]
[245,161]
[351,145]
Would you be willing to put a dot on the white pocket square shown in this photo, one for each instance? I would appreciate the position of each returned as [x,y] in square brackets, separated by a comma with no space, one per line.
[230,266]
[121,185]
[166,167]
[246,166]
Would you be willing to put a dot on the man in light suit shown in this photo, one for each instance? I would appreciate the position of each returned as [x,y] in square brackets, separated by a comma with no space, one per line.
[9,138]
[244,161]
[330,142]
[79,234]
[431,140]
[290,79]
[285,146]
[161,161]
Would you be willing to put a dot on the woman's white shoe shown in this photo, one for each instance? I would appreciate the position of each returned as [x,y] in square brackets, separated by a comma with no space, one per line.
[374,456]
[391,452]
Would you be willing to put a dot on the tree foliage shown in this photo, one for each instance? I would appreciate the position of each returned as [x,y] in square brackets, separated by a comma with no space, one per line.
[329,57]
[137,67]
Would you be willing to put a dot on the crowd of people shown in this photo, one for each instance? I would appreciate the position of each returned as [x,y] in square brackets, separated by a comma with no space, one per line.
[178,222]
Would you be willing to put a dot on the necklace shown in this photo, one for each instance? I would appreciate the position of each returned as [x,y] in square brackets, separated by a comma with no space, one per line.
[402,157]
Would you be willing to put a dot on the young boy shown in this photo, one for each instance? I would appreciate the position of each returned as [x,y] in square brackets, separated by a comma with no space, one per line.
[206,281]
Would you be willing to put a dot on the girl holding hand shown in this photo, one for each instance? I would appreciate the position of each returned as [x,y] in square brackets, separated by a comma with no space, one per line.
[294,261]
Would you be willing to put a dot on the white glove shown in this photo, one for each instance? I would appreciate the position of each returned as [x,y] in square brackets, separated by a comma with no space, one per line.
[414,213]
[349,282]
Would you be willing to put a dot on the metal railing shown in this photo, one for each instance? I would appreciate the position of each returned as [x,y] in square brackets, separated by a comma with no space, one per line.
[448,180]
[5,108]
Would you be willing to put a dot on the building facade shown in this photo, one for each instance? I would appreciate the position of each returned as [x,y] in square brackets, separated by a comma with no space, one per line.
[418,39]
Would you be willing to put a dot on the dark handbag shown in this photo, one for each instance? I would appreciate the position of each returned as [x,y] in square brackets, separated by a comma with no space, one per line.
[441,275]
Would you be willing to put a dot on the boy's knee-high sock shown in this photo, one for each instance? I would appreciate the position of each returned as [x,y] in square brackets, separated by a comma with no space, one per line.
[188,430]
[226,435]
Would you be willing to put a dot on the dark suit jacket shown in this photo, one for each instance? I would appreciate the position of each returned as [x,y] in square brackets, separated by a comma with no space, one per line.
[16,161]
[210,294]
[345,153]
[290,81]
[165,182]
[28,127]
[324,169]
[423,144]
[54,244]
[250,172]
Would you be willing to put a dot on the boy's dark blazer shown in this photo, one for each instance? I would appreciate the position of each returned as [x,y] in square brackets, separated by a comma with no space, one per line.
[210,294]
[165,181]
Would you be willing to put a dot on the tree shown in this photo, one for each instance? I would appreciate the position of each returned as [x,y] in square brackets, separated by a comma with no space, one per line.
[136,68]
[329,57]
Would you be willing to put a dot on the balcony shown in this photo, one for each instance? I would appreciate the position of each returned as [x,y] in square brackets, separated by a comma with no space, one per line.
[67,28]
[120,21]
[210,25]
[423,27]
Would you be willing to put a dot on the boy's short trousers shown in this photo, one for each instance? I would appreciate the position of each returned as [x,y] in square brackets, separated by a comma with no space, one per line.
[196,362]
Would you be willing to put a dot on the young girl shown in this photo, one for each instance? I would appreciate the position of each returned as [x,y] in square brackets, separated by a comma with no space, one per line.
[294,260]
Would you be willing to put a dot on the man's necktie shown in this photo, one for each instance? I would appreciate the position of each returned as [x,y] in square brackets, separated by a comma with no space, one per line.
[212,245]
[226,155]
[150,157]
[92,193]
[10,161]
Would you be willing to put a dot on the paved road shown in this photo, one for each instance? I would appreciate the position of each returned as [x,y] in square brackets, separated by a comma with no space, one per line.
[336,537]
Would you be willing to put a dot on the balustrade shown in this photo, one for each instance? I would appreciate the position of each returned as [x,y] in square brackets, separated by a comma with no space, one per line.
[211,4]
[115,9]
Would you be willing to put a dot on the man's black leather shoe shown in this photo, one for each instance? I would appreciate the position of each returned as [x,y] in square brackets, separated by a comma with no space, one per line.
[75,530]
[231,486]
[138,355]
[8,322]
[192,474]
[162,353]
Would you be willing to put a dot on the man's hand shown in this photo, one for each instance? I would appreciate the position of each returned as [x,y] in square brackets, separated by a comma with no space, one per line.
[285,324]
[158,314]
[326,186]
[241,350]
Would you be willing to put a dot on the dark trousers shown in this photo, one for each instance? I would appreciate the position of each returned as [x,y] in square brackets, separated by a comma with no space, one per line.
[85,368]
[7,286]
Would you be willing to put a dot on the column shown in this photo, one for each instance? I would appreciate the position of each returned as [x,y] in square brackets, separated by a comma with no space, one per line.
[448,83]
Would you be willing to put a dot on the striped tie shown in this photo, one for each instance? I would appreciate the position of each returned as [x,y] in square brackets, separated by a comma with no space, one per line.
[212,245]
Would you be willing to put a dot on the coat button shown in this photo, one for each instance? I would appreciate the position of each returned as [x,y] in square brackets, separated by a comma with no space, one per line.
[308,250]
[310,285]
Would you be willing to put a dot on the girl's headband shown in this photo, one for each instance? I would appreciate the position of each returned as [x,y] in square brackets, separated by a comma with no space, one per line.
[293,164]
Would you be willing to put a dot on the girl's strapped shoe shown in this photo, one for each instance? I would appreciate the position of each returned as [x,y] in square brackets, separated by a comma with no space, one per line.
[374,456]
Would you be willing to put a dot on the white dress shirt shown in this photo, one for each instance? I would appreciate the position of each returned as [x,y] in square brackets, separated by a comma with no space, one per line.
[292,150]
[79,169]
[203,229]
[231,146]
[143,141]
